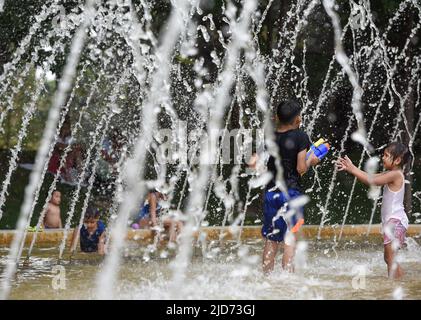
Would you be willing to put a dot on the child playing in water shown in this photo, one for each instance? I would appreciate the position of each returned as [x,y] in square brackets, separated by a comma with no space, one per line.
[394,219]
[152,211]
[293,144]
[92,233]
[52,218]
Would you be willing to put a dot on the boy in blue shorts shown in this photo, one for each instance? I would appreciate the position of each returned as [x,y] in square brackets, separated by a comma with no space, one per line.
[293,144]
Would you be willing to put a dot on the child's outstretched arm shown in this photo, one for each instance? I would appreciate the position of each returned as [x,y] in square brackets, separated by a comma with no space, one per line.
[44,213]
[381,179]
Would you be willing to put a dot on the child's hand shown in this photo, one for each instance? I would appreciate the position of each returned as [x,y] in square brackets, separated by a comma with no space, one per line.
[313,160]
[253,161]
[344,164]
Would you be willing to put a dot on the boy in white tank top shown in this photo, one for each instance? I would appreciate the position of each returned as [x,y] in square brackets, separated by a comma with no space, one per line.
[394,218]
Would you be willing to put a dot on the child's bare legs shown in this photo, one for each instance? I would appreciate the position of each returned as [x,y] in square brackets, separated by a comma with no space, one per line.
[269,253]
[394,270]
[178,227]
[288,257]
[289,252]
[144,223]
[174,228]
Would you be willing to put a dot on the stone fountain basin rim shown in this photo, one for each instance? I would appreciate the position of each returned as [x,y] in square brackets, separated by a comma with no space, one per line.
[55,236]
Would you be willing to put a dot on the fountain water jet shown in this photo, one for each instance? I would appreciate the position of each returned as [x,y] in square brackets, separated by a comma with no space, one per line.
[188,76]
[64,86]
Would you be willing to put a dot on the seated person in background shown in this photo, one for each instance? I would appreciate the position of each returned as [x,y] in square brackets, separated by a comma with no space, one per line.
[151,212]
[107,165]
[111,151]
[92,233]
[73,165]
[63,141]
[74,159]
[52,218]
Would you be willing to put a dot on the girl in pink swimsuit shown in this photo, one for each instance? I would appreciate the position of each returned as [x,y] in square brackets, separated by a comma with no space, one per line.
[394,218]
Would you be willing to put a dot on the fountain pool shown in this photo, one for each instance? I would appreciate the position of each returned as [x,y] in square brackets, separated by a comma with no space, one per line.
[149,95]
[353,270]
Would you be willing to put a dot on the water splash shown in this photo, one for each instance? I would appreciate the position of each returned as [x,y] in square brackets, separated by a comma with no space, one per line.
[219,87]
[64,86]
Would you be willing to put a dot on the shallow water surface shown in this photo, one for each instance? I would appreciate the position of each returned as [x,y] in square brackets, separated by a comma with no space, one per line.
[349,270]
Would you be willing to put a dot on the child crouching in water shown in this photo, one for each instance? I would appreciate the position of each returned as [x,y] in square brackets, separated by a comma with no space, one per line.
[92,233]
[152,214]
[394,219]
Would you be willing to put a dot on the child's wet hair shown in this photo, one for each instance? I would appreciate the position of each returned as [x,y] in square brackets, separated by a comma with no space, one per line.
[399,150]
[157,190]
[52,195]
[287,111]
[92,213]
